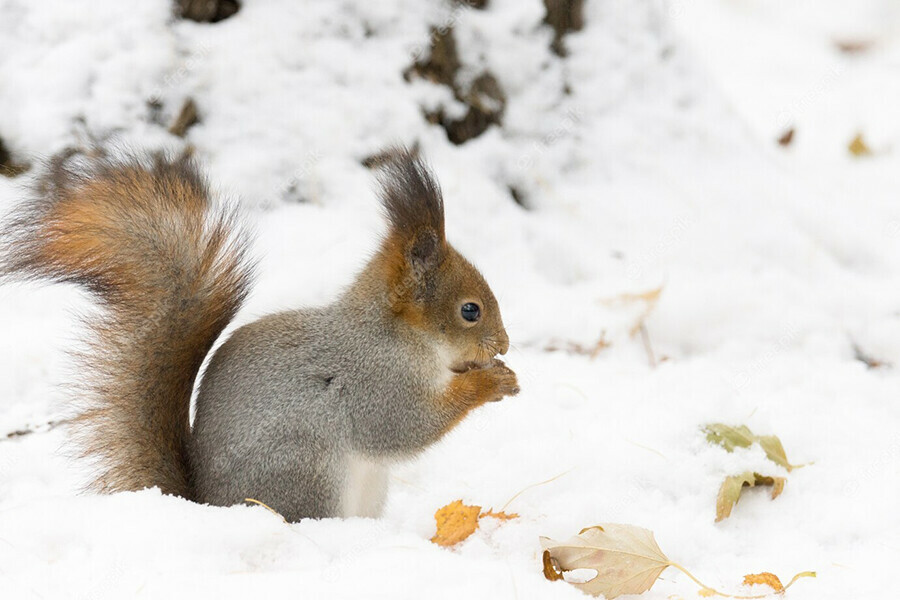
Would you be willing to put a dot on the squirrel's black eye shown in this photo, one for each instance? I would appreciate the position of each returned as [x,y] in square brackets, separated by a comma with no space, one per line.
[470,311]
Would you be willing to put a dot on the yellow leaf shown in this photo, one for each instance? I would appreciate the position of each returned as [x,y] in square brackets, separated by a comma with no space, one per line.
[626,558]
[706,592]
[764,578]
[858,147]
[731,488]
[455,522]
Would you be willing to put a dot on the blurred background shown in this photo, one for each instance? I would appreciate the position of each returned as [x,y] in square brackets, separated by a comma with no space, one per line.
[688,210]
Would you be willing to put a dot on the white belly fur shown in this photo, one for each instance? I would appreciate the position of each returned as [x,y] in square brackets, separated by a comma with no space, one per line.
[365,489]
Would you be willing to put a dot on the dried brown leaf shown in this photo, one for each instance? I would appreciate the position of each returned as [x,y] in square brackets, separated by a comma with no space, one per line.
[626,558]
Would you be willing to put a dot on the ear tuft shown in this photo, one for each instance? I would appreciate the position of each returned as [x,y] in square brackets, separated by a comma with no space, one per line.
[410,195]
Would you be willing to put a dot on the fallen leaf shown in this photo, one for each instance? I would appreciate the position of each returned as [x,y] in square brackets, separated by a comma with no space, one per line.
[626,558]
[764,578]
[858,147]
[741,437]
[455,522]
[731,488]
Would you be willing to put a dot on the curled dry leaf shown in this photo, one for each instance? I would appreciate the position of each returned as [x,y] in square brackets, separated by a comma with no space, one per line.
[731,488]
[764,578]
[457,521]
[741,437]
[626,558]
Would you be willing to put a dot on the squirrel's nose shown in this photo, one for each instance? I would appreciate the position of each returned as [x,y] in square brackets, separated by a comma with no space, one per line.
[503,343]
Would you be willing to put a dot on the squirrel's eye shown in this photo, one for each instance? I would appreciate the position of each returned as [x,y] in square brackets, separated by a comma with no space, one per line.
[470,311]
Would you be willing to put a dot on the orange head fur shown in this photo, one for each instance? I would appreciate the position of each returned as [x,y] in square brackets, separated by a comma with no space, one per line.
[432,286]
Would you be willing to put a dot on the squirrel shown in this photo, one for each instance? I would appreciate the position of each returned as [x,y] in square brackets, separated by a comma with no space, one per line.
[304,410]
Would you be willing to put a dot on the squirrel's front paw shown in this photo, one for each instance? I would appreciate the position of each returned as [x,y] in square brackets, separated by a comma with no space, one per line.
[503,379]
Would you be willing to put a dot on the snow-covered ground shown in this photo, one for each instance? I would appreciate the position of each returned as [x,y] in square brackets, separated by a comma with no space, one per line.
[646,158]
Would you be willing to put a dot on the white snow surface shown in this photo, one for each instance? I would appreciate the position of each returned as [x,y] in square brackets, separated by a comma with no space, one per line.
[646,157]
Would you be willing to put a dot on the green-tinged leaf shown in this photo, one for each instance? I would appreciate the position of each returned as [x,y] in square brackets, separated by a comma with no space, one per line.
[730,437]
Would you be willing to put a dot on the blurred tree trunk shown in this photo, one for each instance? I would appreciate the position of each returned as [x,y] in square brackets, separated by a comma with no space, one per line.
[563,16]
[207,11]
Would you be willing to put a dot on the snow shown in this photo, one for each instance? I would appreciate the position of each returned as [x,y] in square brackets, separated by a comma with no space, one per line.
[659,167]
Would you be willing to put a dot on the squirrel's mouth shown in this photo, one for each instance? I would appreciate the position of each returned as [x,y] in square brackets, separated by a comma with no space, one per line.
[485,357]
[469,365]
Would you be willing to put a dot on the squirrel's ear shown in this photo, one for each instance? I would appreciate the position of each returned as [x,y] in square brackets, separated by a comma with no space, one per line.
[424,252]
[411,196]
[422,255]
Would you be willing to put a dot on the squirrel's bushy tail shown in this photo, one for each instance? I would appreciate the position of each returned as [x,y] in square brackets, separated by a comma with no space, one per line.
[170,271]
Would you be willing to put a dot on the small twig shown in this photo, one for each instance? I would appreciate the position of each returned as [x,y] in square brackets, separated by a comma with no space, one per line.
[44,428]
[269,508]
[283,520]
[534,485]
